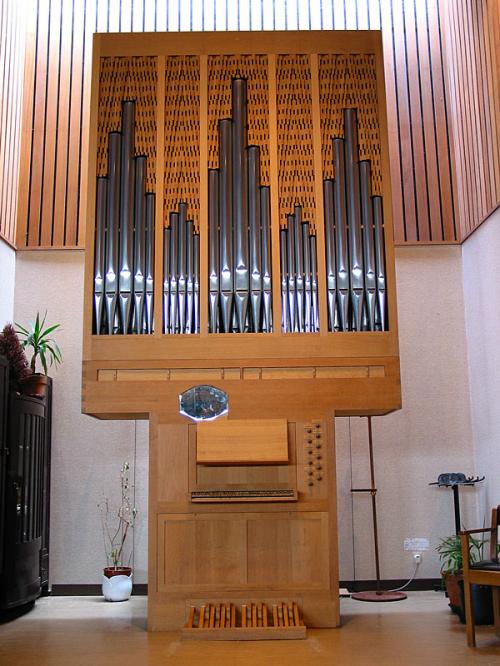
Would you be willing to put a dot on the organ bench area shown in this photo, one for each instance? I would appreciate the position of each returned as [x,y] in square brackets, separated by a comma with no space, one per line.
[239,237]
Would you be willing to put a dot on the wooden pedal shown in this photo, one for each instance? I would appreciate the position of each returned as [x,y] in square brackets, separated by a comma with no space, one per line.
[252,622]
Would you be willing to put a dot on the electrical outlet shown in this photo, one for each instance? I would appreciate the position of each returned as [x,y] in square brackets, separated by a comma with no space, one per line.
[417,558]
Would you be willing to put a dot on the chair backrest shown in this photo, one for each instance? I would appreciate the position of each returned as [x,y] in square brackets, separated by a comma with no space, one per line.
[495,520]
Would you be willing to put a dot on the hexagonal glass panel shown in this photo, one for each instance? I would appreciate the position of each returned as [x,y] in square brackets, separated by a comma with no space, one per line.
[203,403]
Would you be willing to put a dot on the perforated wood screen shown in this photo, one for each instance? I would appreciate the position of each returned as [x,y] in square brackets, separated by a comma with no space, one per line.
[344,81]
[122,79]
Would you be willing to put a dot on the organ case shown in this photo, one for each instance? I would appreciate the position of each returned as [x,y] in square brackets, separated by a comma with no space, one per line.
[239,234]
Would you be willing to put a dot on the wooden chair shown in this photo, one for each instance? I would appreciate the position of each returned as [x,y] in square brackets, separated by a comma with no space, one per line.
[486,572]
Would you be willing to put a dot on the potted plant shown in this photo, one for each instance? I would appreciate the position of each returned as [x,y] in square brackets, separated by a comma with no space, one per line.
[117,528]
[450,554]
[11,348]
[45,348]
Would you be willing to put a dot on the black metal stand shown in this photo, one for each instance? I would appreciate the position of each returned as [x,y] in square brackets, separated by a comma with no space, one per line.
[454,481]
[378,594]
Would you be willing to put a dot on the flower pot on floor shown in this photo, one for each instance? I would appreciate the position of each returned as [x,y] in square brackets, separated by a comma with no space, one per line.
[117,583]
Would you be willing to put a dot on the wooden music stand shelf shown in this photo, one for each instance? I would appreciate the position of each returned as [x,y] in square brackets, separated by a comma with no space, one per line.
[218,622]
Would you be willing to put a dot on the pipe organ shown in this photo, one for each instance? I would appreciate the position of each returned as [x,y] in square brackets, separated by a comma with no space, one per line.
[239,250]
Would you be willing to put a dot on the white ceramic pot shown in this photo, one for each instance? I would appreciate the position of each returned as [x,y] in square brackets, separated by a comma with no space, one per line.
[117,588]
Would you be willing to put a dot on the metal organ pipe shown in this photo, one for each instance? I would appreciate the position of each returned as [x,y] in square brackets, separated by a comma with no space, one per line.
[139,245]
[354,217]
[314,283]
[111,281]
[196,280]
[150,244]
[189,277]
[285,308]
[265,211]
[368,242]
[378,220]
[213,250]
[181,274]
[167,275]
[100,253]
[331,277]
[299,282]
[181,267]
[354,236]
[299,267]
[126,214]
[341,245]
[174,268]
[124,255]
[291,273]
[254,218]
[239,221]
[307,278]
[240,201]
[226,207]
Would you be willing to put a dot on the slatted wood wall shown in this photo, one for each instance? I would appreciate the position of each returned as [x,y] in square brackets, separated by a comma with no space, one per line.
[427,206]
[472,27]
[11,71]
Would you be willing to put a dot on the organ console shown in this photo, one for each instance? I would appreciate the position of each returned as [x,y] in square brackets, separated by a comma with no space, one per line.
[240,267]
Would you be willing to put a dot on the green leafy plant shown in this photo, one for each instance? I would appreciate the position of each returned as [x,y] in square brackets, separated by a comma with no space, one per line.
[118,522]
[37,336]
[450,554]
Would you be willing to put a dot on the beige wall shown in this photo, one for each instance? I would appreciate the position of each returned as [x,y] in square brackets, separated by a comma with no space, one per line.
[7,276]
[481,275]
[432,433]
[86,453]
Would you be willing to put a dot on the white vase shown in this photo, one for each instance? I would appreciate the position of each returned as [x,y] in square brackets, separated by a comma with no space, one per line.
[117,588]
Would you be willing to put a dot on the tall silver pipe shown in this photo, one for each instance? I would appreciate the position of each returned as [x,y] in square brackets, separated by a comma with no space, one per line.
[265,211]
[331,271]
[100,252]
[254,221]
[299,267]
[285,304]
[166,280]
[111,281]
[127,214]
[181,266]
[213,250]
[354,216]
[139,244]
[368,242]
[196,274]
[189,277]
[240,201]
[314,283]
[226,216]
[307,278]
[174,272]
[292,302]
[378,219]
[150,253]
[341,246]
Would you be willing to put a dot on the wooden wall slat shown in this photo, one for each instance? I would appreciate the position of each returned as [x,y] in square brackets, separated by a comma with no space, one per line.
[473,96]
[443,135]
[440,112]
[11,70]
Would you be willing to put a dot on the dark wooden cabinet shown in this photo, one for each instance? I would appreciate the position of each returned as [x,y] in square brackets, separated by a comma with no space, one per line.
[25,498]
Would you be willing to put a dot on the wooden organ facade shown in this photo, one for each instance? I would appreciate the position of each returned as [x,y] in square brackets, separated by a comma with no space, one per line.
[240,236]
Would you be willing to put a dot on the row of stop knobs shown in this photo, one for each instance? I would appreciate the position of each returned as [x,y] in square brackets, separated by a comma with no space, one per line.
[314,457]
